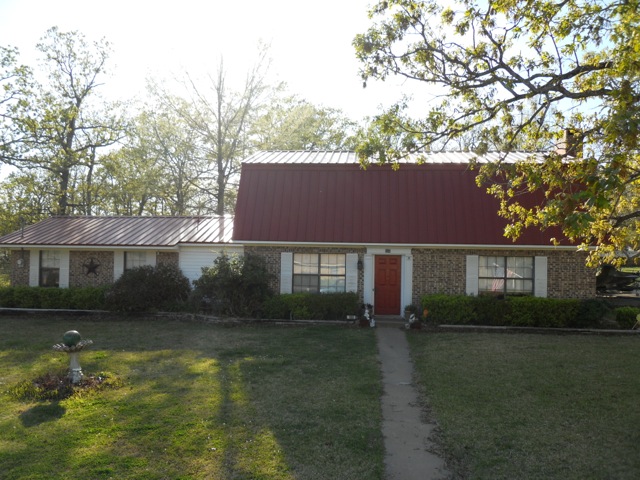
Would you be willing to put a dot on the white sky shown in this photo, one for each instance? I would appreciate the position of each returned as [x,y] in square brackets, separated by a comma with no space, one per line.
[310,42]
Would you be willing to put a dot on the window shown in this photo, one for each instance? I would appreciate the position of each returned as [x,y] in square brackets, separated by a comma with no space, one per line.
[49,268]
[319,273]
[134,259]
[505,275]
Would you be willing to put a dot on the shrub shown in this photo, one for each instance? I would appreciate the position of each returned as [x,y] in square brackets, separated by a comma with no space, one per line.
[591,313]
[86,298]
[514,311]
[454,309]
[541,312]
[312,306]
[148,288]
[234,285]
[627,316]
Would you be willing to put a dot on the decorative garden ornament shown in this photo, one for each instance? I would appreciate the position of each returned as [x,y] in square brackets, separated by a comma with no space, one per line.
[72,344]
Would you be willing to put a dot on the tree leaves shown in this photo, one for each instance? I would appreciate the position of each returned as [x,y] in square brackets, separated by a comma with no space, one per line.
[517,75]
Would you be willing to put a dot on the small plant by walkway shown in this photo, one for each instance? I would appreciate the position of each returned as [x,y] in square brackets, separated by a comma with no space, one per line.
[534,406]
[191,400]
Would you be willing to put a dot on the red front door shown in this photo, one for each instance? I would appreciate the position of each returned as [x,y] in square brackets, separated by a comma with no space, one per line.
[387,285]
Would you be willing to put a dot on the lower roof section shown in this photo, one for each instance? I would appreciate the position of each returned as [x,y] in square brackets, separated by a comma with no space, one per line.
[154,232]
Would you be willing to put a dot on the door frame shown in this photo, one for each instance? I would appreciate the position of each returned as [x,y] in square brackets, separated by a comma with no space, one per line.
[406,274]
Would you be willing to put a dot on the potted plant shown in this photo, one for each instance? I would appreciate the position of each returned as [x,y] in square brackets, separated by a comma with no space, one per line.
[366,319]
[411,317]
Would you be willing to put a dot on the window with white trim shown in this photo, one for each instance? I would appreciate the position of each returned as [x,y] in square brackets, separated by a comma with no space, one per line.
[49,268]
[319,272]
[498,275]
[134,259]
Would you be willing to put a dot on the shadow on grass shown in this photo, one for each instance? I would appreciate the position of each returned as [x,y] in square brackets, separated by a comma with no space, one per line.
[41,414]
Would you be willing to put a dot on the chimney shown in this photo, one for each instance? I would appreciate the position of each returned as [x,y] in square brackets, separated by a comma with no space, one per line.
[571,143]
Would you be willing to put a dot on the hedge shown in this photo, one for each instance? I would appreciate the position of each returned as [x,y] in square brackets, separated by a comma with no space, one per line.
[311,306]
[87,298]
[525,312]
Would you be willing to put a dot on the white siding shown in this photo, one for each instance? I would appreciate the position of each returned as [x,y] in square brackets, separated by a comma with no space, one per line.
[286,272]
[192,259]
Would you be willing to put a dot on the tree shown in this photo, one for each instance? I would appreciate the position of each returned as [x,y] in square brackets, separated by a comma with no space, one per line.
[15,81]
[221,118]
[61,129]
[24,199]
[517,74]
[291,123]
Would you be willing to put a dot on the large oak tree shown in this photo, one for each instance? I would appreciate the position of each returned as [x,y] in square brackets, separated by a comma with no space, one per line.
[513,75]
[60,123]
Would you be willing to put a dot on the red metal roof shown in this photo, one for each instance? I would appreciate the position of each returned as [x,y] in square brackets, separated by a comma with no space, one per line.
[326,157]
[123,231]
[431,204]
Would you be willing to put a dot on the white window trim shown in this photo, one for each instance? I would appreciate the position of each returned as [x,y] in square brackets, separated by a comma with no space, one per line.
[286,272]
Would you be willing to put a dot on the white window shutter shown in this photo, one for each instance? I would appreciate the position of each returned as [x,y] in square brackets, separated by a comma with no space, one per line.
[472,275]
[540,281]
[118,264]
[34,268]
[286,272]
[352,272]
[63,280]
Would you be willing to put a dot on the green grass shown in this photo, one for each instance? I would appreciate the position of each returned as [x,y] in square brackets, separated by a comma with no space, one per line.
[196,401]
[534,406]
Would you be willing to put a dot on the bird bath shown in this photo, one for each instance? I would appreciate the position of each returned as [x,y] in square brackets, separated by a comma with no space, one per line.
[73,345]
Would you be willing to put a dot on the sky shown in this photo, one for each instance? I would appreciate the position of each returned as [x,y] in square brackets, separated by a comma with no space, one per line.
[310,42]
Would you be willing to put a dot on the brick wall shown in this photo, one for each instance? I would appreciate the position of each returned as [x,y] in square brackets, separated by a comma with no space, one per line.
[444,271]
[271,255]
[83,271]
[19,275]
[569,277]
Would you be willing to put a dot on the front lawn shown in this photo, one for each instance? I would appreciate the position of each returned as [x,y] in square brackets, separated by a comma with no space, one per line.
[195,401]
[534,406]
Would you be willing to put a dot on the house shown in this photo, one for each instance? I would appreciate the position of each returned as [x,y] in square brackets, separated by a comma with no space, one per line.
[324,224]
[67,251]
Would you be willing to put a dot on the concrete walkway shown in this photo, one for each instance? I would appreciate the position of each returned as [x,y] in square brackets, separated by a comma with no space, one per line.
[406,435]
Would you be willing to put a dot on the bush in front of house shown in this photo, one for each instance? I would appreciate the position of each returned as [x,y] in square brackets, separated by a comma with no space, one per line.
[234,285]
[85,298]
[452,309]
[521,311]
[311,306]
[148,288]
[540,312]
[627,316]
